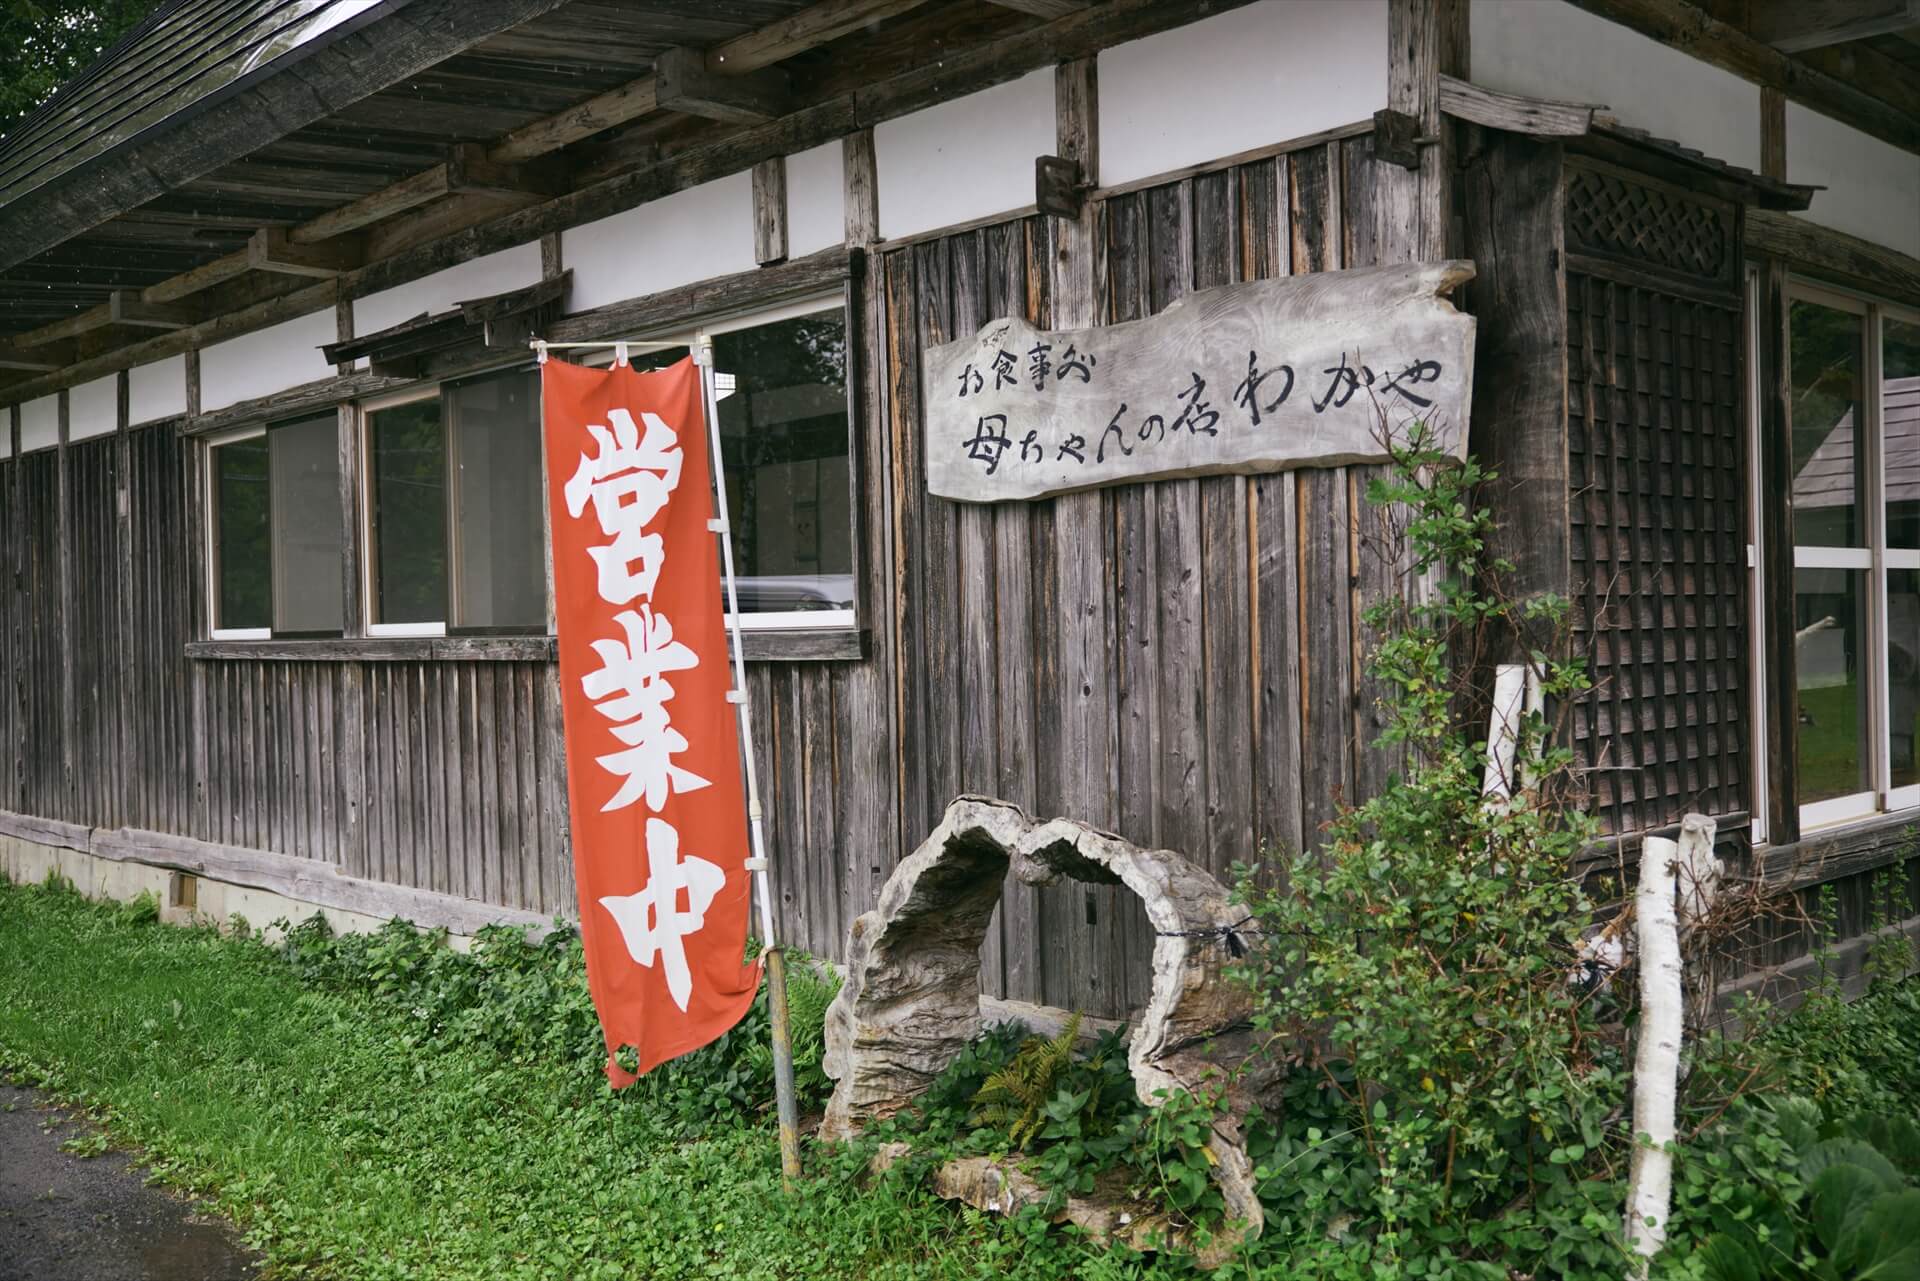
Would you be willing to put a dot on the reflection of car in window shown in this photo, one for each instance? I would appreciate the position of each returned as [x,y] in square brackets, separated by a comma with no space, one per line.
[786,593]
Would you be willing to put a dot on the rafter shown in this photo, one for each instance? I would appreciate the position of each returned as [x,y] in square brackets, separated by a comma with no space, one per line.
[1691,29]
[1794,26]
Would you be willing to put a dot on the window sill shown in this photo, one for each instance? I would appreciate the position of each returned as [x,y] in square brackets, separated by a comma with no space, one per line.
[1843,849]
[799,645]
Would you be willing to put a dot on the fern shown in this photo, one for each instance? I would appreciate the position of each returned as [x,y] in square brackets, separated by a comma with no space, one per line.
[1013,1097]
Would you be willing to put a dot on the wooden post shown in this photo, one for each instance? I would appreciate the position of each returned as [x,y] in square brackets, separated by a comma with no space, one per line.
[1773,133]
[17,558]
[770,211]
[200,609]
[1425,40]
[63,554]
[1774,536]
[1083,607]
[126,708]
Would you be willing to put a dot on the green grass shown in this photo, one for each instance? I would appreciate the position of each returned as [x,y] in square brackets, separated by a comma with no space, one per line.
[1829,749]
[347,1148]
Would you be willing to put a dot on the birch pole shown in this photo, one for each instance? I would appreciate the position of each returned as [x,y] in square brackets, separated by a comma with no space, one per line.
[1656,1064]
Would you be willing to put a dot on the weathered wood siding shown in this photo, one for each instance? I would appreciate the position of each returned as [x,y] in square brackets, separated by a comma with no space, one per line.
[1177,661]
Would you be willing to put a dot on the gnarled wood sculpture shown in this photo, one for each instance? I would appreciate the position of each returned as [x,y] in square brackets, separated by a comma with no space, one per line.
[911,999]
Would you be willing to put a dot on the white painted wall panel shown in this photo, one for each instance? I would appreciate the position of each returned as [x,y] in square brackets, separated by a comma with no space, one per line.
[1873,187]
[1248,78]
[816,200]
[1549,49]
[691,235]
[158,390]
[967,158]
[93,408]
[39,424]
[482,277]
[266,360]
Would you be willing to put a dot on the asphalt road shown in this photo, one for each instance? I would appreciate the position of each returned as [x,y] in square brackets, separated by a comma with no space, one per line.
[70,1218]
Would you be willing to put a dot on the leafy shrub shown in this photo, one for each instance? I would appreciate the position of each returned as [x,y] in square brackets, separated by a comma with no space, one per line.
[528,1002]
[1449,1088]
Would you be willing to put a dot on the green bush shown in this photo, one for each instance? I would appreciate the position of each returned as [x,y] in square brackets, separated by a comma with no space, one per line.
[528,1002]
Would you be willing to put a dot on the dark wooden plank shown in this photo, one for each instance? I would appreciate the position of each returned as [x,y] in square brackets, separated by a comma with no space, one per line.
[770,211]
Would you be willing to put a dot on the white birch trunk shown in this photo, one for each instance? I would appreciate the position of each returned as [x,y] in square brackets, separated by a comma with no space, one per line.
[1656,1064]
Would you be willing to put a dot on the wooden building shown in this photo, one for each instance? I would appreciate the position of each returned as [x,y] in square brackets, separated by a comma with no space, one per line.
[274,630]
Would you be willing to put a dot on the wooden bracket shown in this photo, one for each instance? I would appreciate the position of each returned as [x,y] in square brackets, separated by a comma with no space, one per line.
[683,82]
[1397,139]
[270,249]
[37,360]
[1057,186]
[469,170]
[125,307]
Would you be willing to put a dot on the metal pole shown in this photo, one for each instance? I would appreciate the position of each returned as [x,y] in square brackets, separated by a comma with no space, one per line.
[786,1105]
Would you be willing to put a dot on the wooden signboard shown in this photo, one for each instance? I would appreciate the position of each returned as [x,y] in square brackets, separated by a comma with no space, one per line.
[1305,371]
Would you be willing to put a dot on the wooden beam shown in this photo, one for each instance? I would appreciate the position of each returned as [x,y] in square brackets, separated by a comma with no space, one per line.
[1691,29]
[1822,251]
[125,307]
[770,210]
[12,356]
[1794,26]
[205,276]
[1044,8]
[1539,117]
[473,171]
[272,249]
[408,193]
[1871,72]
[682,83]
[809,29]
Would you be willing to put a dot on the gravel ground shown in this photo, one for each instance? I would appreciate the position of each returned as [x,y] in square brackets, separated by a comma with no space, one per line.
[69,1218]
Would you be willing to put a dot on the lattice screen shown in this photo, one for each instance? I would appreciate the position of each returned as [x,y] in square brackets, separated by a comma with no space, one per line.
[1611,215]
[1659,553]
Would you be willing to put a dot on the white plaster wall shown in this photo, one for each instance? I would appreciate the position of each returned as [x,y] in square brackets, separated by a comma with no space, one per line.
[482,277]
[816,200]
[1873,187]
[1247,78]
[158,390]
[265,361]
[93,409]
[964,159]
[1549,49]
[691,235]
[39,424]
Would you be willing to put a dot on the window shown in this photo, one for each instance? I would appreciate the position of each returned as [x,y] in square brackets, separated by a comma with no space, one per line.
[454,525]
[1854,383]
[780,384]
[276,531]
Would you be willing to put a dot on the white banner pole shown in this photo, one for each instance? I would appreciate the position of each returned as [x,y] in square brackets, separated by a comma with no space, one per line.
[786,1105]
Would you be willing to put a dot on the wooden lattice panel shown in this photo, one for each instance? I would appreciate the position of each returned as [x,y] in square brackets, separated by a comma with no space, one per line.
[1658,552]
[1611,215]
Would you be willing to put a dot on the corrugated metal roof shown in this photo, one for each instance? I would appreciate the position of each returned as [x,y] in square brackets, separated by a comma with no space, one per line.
[187,55]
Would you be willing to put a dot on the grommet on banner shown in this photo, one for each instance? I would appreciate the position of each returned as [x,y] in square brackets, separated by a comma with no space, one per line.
[756,865]
[619,353]
[716,526]
[736,696]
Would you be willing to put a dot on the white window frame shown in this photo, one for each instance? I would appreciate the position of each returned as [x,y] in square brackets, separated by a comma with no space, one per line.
[791,620]
[363,427]
[210,500]
[1875,559]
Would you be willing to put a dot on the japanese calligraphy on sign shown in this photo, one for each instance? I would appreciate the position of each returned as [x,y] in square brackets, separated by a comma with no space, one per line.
[1255,377]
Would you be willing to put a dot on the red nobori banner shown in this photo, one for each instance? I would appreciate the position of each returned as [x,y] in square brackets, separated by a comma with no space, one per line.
[653,751]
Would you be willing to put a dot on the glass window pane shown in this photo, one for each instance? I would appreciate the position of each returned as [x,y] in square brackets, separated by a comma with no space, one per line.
[1903,672]
[1900,406]
[303,462]
[496,502]
[1830,624]
[409,494]
[1829,464]
[783,438]
[243,578]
